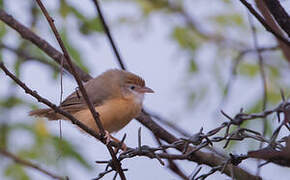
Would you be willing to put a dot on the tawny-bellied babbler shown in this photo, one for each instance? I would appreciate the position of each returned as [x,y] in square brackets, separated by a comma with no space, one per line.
[116,94]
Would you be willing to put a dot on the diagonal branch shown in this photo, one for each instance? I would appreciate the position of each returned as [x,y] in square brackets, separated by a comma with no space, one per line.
[27,57]
[48,103]
[261,5]
[117,164]
[200,157]
[108,33]
[41,43]
[280,15]
[29,164]
[264,23]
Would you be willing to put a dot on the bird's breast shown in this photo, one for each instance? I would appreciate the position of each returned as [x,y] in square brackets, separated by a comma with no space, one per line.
[114,114]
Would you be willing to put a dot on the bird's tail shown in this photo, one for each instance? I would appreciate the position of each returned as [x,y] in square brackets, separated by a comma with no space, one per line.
[48,113]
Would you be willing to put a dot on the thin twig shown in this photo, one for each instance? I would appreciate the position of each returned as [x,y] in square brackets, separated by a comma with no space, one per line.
[108,33]
[95,115]
[48,103]
[29,164]
[41,43]
[172,165]
[263,78]
[200,157]
[25,56]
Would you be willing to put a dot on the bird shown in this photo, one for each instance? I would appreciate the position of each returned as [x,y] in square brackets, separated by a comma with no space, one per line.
[117,96]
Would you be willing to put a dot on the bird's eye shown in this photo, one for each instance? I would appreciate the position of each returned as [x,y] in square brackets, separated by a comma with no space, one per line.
[132,87]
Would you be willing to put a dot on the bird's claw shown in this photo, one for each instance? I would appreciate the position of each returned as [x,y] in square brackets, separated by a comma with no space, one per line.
[108,137]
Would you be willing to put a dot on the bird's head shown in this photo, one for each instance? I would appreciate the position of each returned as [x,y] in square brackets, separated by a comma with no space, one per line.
[133,86]
[125,84]
[119,83]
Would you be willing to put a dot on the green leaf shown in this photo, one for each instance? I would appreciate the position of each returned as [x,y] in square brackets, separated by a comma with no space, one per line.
[16,171]
[192,66]
[274,71]
[17,66]
[4,134]
[185,38]
[67,150]
[2,28]
[1,4]
[10,102]
[151,6]
[274,97]
[247,69]
[229,19]
[90,26]
[64,9]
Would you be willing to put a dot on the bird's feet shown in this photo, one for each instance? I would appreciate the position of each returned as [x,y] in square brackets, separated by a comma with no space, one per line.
[109,138]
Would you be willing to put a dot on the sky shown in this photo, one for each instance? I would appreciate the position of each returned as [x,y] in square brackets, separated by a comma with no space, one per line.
[149,52]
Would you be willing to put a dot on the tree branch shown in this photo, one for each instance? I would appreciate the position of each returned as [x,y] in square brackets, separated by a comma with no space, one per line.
[41,43]
[117,164]
[280,15]
[270,20]
[29,164]
[264,23]
[27,57]
[199,157]
[108,33]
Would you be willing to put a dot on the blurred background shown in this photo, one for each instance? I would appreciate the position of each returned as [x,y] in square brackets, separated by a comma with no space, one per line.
[196,55]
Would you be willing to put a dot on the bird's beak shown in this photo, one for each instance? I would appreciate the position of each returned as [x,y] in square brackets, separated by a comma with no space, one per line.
[145,90]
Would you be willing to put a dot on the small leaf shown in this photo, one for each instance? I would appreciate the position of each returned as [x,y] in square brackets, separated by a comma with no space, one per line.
[229,19]
[247,69]
[2,28]
[16,171]
[192,66]
[68,151]
[186,38]
[89,26]
[64,9]
[10,102]
[1,5]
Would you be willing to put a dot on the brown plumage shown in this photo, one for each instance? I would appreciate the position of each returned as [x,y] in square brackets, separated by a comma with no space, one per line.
[116,94]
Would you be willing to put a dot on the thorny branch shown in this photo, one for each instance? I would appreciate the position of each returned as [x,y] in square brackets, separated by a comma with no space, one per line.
[201,140]
[186,146]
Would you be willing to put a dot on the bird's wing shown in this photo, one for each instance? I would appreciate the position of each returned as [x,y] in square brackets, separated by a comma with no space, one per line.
[96,91]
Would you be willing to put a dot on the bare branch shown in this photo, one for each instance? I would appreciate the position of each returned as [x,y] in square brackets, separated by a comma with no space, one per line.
[108,33]
[271,21]
[117,164]
[209,159]
[279,14]
[264,23]
[29,164]
[39,42]
[27,57]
